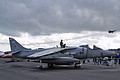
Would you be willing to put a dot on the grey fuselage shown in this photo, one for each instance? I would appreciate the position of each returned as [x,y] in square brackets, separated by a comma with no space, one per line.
[78,53]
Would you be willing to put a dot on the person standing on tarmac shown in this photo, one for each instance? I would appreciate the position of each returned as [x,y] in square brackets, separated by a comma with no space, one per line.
[61,43]
[119,58]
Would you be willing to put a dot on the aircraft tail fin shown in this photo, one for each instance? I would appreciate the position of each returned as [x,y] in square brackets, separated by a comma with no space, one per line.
[15,46]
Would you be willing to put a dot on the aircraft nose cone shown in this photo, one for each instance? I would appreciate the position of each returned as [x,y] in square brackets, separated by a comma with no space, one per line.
[110,53]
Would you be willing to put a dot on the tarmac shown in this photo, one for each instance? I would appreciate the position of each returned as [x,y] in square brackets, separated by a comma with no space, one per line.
[29,71]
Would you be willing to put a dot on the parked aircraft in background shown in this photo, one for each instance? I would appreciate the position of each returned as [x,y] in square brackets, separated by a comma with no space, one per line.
[98,52]
[56,56]
[6,54]
[1,54]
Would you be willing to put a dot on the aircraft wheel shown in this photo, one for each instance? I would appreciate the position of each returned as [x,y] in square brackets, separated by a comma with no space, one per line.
[18,60]
[12,60]
[77,65]
[28,60]
[50,65]
[40,67]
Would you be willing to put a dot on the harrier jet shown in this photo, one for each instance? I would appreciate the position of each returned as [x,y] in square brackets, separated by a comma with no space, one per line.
[56,56]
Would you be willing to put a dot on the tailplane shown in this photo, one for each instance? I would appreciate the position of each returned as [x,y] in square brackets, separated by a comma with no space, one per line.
[15,46]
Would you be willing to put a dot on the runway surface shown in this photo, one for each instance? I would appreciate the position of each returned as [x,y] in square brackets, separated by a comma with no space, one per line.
[29,71]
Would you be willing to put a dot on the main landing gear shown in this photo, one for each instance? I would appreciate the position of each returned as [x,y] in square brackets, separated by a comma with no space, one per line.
[40,66]
[77,65]
[50,65]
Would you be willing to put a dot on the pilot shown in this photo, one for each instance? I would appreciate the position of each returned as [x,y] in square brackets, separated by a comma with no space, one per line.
[61,43]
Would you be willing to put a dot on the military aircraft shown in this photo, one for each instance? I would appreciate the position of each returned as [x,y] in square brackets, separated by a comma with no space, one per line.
[97,52]
[111,31]
[1,54]
[56,55]
[6,54]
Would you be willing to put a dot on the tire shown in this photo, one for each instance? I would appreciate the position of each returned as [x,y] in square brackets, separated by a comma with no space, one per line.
[50,65]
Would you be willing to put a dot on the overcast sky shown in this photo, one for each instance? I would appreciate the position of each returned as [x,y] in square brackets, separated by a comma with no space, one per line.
[48,21]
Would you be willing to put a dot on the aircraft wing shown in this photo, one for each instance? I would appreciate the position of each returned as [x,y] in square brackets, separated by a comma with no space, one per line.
[15,52]
[49,52]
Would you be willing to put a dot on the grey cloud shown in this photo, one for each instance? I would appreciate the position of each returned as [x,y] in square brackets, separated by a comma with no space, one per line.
[38,17]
